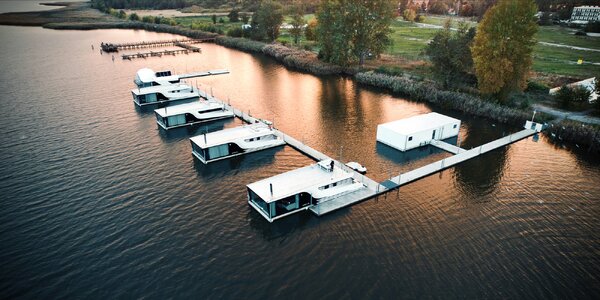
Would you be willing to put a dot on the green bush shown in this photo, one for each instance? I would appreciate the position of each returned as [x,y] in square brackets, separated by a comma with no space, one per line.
[122,14]
[235,32]
[572,97]
[534,86]
[134,17]
[148,19]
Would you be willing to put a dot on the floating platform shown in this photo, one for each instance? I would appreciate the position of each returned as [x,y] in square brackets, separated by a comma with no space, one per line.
[115,47]
[371,188]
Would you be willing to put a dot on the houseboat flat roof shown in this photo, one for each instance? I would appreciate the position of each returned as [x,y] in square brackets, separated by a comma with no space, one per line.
[187,108]
[230,135]
[148,75]
[300,180]
[419,123]
[160,88]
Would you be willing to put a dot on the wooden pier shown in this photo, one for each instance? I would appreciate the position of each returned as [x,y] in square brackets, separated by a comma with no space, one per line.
[113,47]
[373,188]
[156,53]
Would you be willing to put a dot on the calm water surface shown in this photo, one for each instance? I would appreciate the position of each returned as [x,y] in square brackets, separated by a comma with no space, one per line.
[28,5]
[96,202]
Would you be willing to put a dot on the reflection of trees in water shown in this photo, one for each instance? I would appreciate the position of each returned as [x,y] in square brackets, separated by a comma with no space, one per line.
[480,175]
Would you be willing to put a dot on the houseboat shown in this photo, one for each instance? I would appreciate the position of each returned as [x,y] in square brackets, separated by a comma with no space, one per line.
[417,131]
[236,141]
[191,113]
[164,93]
[146,77]
[300,189]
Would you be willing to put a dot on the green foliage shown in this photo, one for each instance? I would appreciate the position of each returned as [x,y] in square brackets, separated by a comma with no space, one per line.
[221,20]
[122,14]
[245,19]
[450,54]
[409,15]
[438,8]
[503,46]
[214,18]
[419,19]
[575,98]
[235,32]
[234,16]
[536,87]
[266,21]
[349,31]
[148,19]
[134,17]
[311,30]
[297,23]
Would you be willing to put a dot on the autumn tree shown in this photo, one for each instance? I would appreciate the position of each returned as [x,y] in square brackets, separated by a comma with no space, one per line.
[350,30]
[503,46]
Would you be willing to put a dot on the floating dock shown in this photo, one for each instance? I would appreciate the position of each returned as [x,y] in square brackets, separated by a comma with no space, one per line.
[373,188]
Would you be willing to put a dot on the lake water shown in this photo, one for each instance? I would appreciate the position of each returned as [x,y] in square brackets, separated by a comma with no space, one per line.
[28,5]
[97,202]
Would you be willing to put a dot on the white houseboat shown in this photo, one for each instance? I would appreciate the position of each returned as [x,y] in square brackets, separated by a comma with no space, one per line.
[191,113]
[164,93]
[146,77]
[417,131]
[234,141]
[300,189]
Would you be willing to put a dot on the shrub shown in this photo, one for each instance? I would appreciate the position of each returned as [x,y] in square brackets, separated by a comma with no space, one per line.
[572,97]
[534,86]
[241,44]
[419,19]
[409,15]
[148,19]
[134,17]
[235,32]
[582,134]
[311,30]
[221,20]
[122,14]
[234,16]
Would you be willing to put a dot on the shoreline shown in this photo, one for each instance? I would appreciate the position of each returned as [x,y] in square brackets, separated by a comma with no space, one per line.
[80,16]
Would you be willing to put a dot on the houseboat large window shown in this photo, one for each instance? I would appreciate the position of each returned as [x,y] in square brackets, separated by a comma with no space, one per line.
[286,205]
[218,151]
[199,151]
[259,202]
[176,120]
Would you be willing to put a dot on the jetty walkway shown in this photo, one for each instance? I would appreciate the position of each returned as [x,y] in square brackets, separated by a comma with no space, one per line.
[372,187]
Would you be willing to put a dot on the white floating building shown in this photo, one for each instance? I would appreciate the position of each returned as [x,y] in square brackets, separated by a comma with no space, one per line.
[191,113]
[146,77]
[417,131]
[164,93]
[300,189]
[234,141]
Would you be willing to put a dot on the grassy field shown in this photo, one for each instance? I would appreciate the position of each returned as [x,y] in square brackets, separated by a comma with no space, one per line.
[410,39]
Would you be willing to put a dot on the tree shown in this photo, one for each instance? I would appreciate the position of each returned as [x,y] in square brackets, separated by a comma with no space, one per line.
[297,23]
[234,16]
[134,17]
[311,30]
[214,19]
[350,30]
[122,14]
[503,46]
[409,15]
[245,18]
[438,8]
[266,21]
[450,53]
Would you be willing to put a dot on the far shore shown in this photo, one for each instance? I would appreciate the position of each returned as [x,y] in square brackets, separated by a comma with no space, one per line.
[80,16]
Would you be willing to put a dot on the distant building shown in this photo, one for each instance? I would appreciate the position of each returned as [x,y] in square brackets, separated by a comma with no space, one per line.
[585,14]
